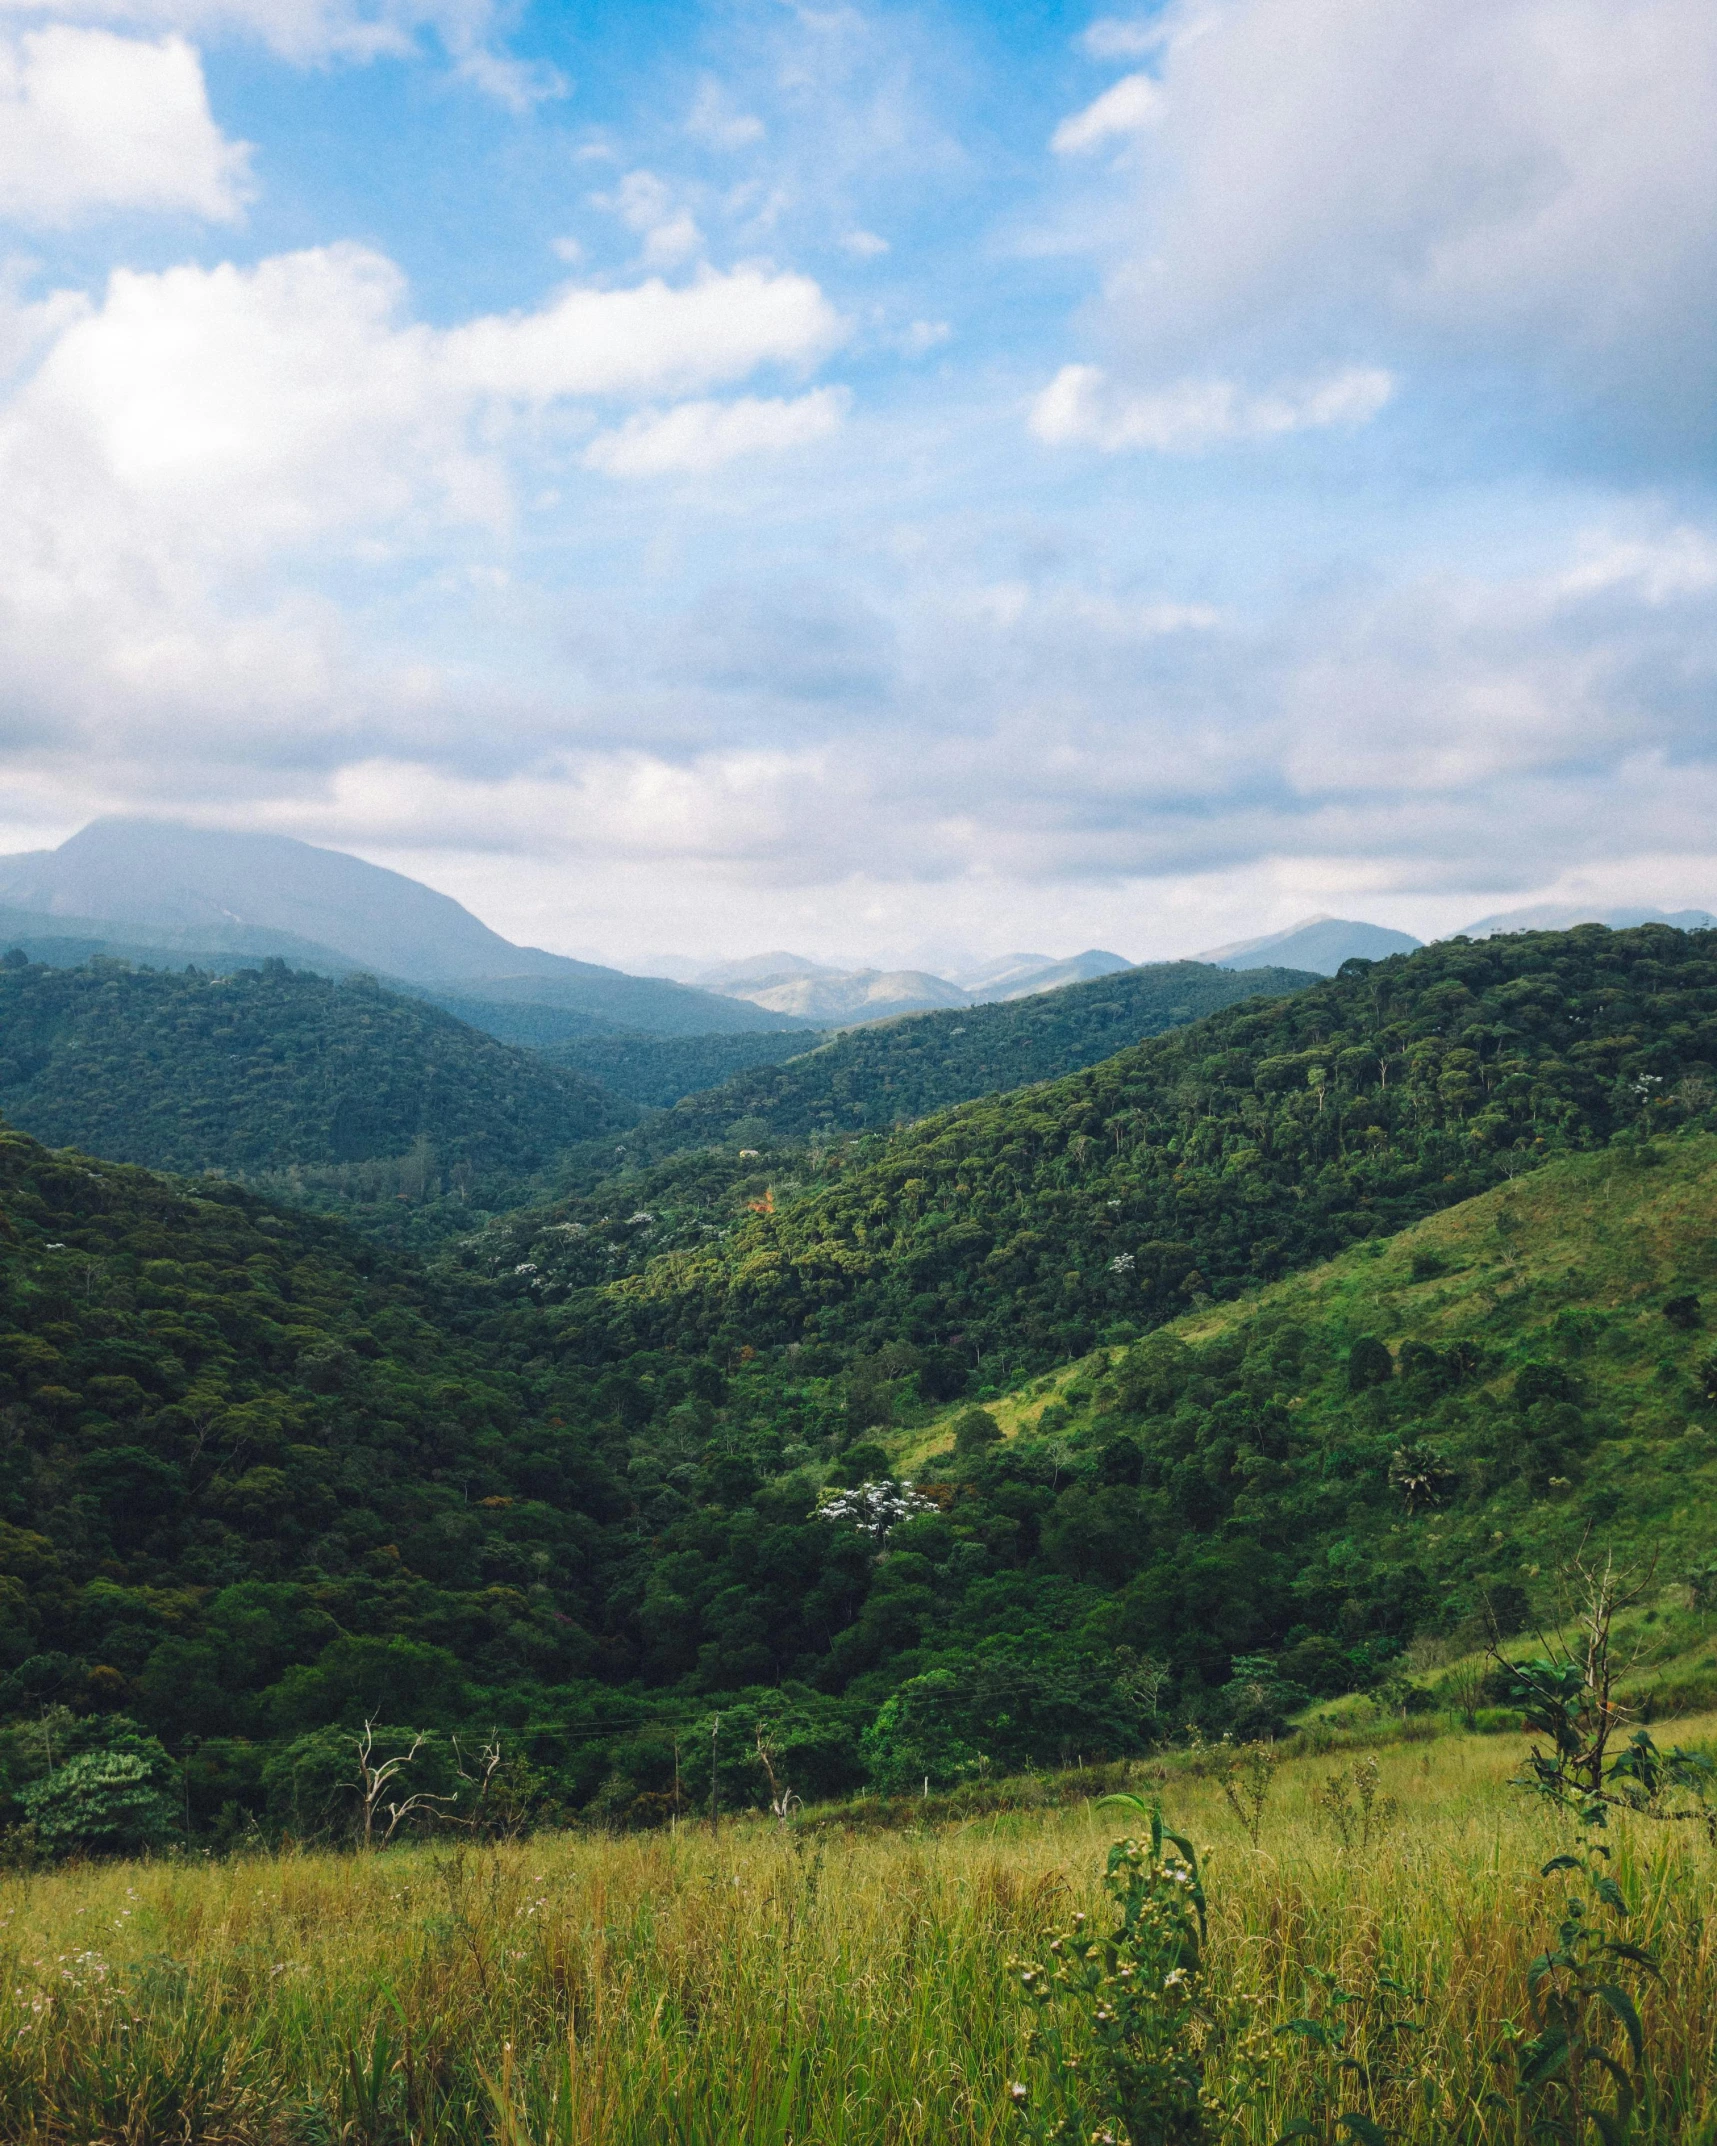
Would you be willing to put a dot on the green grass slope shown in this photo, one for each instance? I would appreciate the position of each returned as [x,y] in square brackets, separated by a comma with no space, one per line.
[271,1071]
[886,1074]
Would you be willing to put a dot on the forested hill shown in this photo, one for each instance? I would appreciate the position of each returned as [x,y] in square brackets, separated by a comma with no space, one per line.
[656,1071]
[238,1443]
[273,1069]
[886,1074]
[1263,1138]
[260,1483]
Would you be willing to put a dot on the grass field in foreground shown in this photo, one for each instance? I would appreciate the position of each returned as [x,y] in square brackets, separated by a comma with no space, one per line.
[825,1989]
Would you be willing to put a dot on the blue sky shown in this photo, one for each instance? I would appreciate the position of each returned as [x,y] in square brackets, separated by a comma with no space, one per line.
[878,480]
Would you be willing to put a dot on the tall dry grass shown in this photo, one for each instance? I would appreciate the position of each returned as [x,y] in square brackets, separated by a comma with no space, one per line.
[766,1988]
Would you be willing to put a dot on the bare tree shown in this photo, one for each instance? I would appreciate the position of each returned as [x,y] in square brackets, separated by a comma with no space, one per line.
[782,1801]
[376,1777]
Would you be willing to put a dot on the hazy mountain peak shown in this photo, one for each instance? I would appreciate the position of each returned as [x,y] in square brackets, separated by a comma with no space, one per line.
[1320,943]
[160,881]
[1563,916]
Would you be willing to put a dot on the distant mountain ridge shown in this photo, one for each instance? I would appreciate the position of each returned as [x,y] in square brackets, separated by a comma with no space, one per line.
[816,991]
[156,883]
[1563,916]
[1320,943]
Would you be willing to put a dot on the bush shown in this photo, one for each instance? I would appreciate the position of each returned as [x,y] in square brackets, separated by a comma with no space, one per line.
[1369,1363]
[103,1803]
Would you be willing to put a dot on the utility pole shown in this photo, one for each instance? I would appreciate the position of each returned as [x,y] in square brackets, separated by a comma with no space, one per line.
[714,1735]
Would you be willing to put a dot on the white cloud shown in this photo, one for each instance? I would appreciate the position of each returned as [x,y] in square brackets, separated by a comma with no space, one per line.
[696,437]
[713,119]
[650,339]
[1113,37]
[311,32]
[90,122]
[865,245]
[191,457]
[1126,107]
[1514,183]
[923,337]
[1082,406]
[646,205]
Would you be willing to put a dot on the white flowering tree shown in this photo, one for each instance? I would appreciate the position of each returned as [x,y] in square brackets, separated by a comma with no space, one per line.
[875,1509]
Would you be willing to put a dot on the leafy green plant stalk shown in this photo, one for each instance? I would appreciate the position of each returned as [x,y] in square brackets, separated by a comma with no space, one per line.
[1131,2067]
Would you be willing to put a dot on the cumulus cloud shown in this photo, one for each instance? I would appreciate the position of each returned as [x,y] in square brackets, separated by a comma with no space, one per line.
[1517,184]
[651,338]
[91,123]
[695,437]
[183,462]
[297,397]
[1083,406]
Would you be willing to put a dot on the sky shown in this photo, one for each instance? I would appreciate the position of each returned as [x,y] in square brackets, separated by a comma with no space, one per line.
[920,481]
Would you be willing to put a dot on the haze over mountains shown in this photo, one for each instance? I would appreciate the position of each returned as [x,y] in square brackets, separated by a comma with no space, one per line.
[142,889]
[133,884]
[814,991]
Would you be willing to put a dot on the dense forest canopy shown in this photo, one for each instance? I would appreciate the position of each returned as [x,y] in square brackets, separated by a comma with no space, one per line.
[274,1069]
[656,1071]
[888,1073]
[259,1478]
[1265,1137]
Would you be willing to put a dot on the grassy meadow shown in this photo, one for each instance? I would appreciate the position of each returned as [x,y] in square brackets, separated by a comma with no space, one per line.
[817,1984]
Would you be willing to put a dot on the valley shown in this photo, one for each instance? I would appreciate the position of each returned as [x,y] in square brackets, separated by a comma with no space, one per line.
[866,1449]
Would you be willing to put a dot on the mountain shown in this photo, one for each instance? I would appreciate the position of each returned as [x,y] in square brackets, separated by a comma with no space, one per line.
[67,942]
[246,1405]
[657,1071]
[1320,944]
[348,1092]
[1271,1497]
[1561,916]
[812,991]
[1022,975]
[869,1079]
[865,995]
[158,883]
[754,969]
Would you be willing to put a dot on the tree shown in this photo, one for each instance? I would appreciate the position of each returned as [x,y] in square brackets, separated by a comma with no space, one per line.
[916,1737]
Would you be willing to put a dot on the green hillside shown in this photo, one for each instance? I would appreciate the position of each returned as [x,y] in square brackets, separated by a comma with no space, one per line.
[1387,1444]
[595,1511]
[262,1483]
[891,1072]
[257,1474]
[370,1098]
[656,1071]
[1269,1136]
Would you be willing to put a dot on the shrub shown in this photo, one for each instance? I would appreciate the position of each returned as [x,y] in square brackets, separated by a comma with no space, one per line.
[975,1428]
[103,1803]
[1369,1363]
